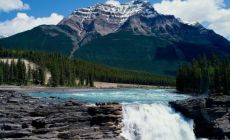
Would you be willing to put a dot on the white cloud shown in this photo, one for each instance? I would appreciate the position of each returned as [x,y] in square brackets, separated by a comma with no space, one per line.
[211,12]
[9,5]
[23,22]
[113,2]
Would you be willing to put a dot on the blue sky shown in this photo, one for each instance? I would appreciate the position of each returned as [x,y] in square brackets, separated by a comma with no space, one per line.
[21,15]
[40,8]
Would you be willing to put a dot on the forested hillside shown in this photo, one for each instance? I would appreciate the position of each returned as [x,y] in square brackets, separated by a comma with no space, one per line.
[132,36]
[16,72]
[65,71]
[204,75]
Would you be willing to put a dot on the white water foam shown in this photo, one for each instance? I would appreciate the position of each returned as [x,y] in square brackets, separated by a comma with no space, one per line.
[155,122]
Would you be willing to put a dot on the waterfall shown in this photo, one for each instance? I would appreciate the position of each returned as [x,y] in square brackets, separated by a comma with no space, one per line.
[155,122]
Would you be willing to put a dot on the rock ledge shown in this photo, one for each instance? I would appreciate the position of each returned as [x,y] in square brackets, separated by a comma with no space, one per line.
[211,115]
[25,117]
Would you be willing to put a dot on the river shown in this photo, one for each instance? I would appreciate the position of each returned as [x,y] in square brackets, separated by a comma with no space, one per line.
[146,113]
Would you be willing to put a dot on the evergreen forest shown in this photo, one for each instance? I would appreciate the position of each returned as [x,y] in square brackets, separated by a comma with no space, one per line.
[68,72]
[205,75]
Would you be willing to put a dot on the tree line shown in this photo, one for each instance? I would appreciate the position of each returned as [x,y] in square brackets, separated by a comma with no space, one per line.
[74,72]
[205,75]
[15,72]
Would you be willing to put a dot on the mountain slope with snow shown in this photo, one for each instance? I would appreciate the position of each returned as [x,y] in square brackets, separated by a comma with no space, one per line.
[3,36]
[105,19]
[129,36]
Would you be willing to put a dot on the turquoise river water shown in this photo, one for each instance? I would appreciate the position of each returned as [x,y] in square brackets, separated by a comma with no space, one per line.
[146,113]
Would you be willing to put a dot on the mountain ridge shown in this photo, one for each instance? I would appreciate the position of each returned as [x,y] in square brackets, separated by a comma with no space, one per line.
[3,36]
[129,36]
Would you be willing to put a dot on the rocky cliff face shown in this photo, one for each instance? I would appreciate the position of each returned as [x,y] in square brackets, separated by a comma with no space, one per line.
[24,117]
[211,115]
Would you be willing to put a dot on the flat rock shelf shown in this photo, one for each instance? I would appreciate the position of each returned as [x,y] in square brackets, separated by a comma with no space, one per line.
[26,117]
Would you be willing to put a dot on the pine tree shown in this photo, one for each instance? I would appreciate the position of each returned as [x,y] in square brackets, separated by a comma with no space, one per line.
[91,82]
[29,74]
[55,81]
[1,74]
[42,76]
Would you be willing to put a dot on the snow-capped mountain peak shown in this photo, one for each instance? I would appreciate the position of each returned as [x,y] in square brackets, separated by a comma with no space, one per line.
[123,10]
[99,16]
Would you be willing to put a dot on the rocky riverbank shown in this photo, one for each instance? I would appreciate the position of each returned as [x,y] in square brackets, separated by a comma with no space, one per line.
[25,117]
[211,115]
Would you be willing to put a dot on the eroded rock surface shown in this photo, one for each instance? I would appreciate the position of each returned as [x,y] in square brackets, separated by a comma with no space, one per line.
[25,117]
[211,115]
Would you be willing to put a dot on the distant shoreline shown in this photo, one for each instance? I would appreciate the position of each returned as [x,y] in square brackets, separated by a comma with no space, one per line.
[98,86]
